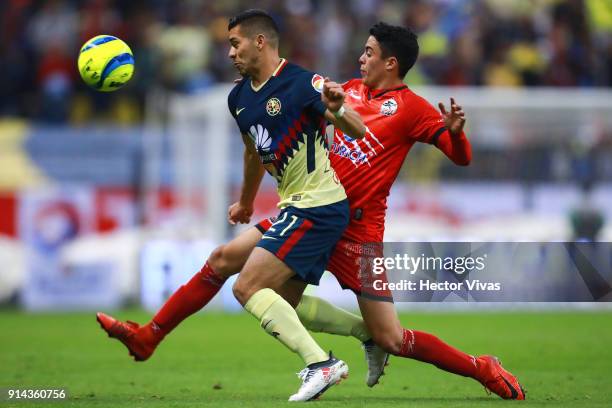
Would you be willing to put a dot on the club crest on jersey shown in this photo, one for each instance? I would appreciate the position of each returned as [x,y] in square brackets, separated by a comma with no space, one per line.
[388,107]
[317,82]
[273,106]
[353,94]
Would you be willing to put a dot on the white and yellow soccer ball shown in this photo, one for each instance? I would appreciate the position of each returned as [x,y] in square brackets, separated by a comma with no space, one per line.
[106,63]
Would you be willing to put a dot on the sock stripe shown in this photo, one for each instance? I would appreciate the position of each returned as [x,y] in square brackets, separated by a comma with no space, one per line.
[209,275]
[407,343]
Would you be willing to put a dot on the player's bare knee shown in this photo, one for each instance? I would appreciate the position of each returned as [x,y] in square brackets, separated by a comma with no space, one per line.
[242,293]
[215,259]
[389,342]
[219,262]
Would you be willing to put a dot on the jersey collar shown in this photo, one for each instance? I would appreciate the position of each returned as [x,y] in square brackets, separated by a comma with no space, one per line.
[377,93]
[277,71]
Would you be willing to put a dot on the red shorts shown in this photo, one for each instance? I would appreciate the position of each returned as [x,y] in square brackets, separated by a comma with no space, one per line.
[351,263]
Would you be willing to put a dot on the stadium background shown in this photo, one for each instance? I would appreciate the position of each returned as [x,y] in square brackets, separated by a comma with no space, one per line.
[113,200]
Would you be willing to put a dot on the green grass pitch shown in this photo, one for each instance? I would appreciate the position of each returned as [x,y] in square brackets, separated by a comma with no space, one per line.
[223,360]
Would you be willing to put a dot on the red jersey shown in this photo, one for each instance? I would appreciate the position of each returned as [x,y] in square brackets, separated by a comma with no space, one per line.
[395,119]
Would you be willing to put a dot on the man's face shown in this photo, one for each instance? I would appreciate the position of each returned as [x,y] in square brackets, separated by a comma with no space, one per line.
[372,64]
[243,51]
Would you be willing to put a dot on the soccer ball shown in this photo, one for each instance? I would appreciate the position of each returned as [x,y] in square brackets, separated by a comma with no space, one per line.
[106,63]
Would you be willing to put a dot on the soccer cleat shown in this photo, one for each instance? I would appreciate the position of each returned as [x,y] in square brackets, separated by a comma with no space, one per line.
[128,334]
[377,359]
[318,377]
[497,380]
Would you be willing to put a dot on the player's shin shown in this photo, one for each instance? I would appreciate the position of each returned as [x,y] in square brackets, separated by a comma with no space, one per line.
[278,319]
[430,349]
[187,300]
[318,315]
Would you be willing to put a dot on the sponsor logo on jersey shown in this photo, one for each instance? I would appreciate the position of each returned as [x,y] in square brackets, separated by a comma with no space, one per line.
[353,150]
[263,142]
[388,107]
[273,106]
[354,155]
[268,158]
[317,82]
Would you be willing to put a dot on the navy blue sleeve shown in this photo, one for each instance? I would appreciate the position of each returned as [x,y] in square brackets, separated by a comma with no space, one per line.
[231,100]
[308,93]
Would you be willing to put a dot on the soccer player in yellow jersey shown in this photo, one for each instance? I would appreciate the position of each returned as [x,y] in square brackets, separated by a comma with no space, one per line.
[282,111]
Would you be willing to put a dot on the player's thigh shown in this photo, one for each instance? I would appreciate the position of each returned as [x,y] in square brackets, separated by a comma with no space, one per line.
[261,270]
[228,259]
[349,264]
[382,322]
[303,238]
[292,291]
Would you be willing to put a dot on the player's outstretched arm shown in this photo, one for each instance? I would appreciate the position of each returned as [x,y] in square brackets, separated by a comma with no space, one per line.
[241,211]
[455,119]
[342,117]
[453,143]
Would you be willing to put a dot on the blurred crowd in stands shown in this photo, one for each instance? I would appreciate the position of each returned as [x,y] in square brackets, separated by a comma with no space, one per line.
[181,45]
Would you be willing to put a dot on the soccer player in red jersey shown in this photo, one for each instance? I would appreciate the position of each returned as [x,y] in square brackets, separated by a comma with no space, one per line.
[396,118]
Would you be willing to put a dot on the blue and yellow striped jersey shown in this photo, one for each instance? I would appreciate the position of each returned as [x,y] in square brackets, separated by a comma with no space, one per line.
[284,118]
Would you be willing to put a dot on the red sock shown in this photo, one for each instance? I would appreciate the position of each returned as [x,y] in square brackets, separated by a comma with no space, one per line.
[430,349]
[187,300]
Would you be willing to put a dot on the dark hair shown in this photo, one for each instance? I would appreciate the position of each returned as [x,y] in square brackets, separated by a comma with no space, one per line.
[398,42]
[255,21]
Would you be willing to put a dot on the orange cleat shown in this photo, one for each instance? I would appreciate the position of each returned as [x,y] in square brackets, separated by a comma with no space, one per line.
[497,380]
[130,334]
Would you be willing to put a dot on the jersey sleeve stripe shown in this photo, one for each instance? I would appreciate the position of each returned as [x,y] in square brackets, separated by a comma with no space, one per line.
[436,136]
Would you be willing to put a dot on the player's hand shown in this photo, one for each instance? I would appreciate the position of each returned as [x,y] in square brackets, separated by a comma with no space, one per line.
[238,213]
[332,95]
[455,119]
